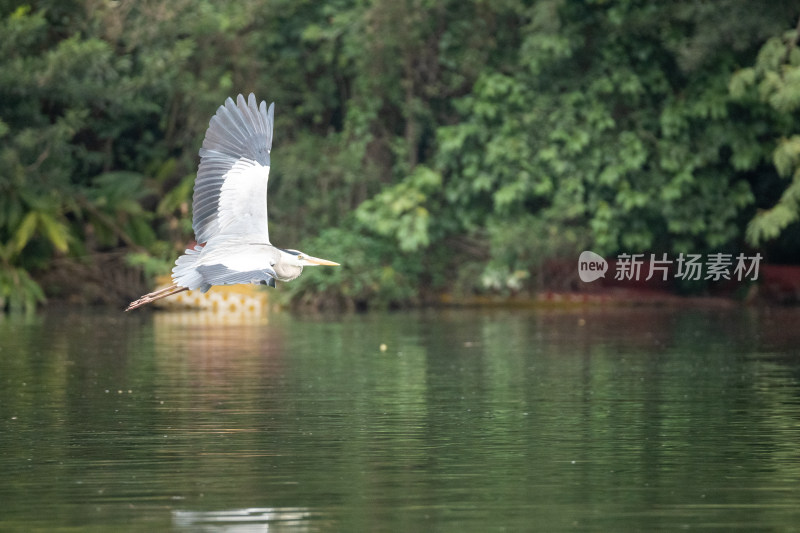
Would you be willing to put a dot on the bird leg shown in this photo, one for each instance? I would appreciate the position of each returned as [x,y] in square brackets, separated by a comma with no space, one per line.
[156,295]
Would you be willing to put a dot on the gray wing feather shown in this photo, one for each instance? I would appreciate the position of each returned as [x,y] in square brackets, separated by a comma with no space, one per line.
[222,275]
[239,131]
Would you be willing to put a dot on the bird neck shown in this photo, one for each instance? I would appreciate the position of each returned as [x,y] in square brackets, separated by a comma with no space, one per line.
[286,271]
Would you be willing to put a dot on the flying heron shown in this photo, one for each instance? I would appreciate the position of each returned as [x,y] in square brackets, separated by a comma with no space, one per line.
[230,208]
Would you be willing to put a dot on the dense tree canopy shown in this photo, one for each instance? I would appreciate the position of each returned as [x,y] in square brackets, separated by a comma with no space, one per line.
[428,145]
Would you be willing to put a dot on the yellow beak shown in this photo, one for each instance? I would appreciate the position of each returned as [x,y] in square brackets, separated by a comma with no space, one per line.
[318,261]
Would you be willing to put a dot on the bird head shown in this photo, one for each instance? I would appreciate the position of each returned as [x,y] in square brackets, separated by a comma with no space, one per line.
[290,263]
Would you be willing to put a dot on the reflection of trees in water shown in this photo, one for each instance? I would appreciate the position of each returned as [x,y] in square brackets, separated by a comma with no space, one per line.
[602,411]
[211,358]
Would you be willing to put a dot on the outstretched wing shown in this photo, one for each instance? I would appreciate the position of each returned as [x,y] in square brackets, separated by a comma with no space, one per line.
[222,275]
[230,193]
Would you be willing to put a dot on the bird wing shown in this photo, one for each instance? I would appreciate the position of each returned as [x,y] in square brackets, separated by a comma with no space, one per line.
[220,274]
[229,260]
[230,193]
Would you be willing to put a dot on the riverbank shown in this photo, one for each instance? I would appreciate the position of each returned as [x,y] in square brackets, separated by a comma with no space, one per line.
[105,279]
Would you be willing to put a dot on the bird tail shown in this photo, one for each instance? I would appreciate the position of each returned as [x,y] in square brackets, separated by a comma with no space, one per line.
[156,295]
[184,275]
[185,272]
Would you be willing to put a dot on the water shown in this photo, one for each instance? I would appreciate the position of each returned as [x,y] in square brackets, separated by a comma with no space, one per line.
[582,420]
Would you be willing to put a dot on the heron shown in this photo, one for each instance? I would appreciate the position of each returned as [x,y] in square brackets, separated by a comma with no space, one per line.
[229,207]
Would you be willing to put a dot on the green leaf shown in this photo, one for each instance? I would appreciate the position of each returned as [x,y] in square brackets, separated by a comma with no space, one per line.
[787,155]
[56,232]
[25,231]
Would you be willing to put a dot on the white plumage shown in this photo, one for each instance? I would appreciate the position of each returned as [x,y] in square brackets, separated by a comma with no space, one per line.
[230,208]
[242,207]
[230,193]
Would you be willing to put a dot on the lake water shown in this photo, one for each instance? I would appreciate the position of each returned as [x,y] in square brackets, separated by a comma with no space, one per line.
[597,419]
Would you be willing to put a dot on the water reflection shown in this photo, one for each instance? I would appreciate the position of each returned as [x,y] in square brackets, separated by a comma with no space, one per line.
[253,520]
[600,419]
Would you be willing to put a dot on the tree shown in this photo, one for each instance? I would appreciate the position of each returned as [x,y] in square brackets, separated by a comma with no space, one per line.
[613,127]
[432,144]
[774,80]
[88,99]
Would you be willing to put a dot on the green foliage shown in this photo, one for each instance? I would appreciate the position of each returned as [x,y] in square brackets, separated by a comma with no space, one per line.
[603,134]
[371,273]
[88,122]
[18,291]
[428,145]
[774,80]
[400,211]
[520,249]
